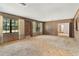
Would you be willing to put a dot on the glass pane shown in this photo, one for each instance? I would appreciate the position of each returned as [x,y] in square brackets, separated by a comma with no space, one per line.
[38,27]
[41,27]
[14,25]
[34,27]
[6,24]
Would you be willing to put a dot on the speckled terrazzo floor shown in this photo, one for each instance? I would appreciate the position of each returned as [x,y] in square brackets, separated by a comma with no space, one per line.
[43,45]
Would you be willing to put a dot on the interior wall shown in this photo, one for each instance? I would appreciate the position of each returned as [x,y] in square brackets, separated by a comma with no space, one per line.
[51,27]
[1,29]
[28,28]
[63,29]
[10,37]
[24,28]
[76,22]
[21,28]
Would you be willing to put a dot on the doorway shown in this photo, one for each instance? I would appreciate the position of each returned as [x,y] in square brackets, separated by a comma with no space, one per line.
[63,29]
[37,28]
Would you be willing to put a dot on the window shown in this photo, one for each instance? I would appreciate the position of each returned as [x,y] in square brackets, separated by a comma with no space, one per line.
[14,25]
[6,25]
[10,25]
[34,27]
[38,27]
[62,28]
[41,27]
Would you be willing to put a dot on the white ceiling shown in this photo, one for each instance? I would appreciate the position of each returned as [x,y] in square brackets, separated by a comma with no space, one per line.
[41,11]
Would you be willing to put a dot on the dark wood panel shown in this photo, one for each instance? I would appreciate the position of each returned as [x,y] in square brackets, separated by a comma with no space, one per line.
[27,28]
[71,29]
[10,37]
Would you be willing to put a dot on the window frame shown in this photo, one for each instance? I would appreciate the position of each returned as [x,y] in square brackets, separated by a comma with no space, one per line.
[10,30]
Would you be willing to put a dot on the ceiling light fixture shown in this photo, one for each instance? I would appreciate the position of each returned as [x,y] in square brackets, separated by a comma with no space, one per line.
[23,4]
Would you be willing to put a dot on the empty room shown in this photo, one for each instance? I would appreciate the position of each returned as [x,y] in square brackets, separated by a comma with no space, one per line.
[39,29]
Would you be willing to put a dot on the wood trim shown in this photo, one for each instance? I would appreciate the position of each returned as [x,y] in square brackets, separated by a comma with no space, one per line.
[66,20]
[62,21]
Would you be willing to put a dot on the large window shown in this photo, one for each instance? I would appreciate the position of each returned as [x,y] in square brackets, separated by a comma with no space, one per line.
[14,24]
[38,27]
[10,25]
[34,27]
[6,25]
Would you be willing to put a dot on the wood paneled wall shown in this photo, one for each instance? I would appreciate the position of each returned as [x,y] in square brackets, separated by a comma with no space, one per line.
[51,27]
[76,21]
[28,28]
[24,27]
